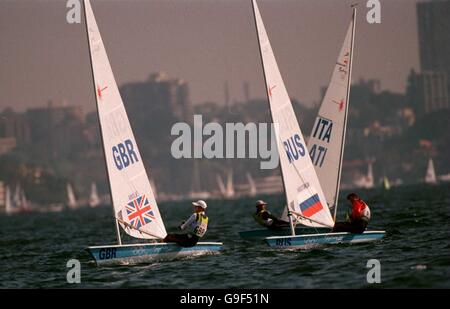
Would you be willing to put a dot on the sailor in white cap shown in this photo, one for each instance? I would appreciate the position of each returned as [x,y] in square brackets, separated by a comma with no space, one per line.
[195,227]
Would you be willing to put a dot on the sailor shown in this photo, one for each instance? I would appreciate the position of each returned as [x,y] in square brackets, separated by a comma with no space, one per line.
[195,227]
[266,219]
[357,219]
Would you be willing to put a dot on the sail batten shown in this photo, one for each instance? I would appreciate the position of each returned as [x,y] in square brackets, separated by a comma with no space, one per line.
[131,193]
[302,188]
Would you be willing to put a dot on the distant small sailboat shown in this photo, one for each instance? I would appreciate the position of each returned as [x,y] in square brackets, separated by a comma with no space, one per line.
[134,206]
[444,178]
[251,184]
[94,200]
[386,183]
[9,208]
[306,201]
[367,181]
[221,184]
[430,176]
[229,193]
[71,199]
[16,203]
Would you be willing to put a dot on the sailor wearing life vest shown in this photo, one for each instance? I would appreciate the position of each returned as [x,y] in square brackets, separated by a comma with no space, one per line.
[358,219]
[266,219]
[195,227]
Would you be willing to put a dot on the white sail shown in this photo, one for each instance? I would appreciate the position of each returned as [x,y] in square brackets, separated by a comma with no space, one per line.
[303,191]
[251,184]
[430,177]
[230,187]
[221,185]
[370,179]
[327,139]
[8,201]
[71,199]
[94,200]
[386,183]
[132,195]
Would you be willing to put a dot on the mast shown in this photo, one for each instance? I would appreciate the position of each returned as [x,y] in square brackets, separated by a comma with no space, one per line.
[271,117]
[349,80]
[119,239]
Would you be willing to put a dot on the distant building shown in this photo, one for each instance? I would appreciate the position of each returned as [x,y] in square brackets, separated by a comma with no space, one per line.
[363,88]
[153,107]
[56,129]
[429,90]
[7,144]
[434,35]
[15,125]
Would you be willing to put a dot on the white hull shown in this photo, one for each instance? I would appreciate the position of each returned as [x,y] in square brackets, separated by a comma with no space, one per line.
[149,252]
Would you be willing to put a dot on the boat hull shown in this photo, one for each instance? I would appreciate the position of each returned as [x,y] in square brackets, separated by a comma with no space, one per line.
[144,253]
[309,241]
[261,234]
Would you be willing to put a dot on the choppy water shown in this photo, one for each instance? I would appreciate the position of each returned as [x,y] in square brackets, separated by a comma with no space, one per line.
[34,248]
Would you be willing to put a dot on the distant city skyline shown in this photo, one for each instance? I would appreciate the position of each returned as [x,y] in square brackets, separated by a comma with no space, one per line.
[206,43]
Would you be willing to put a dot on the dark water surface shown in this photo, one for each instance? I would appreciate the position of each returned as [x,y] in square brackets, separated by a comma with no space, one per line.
[35,248]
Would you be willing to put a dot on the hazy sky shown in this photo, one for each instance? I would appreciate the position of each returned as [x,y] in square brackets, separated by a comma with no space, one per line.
[205,42]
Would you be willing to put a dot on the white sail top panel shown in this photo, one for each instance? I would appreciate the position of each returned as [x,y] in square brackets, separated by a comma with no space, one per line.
[132,195]
[303,191]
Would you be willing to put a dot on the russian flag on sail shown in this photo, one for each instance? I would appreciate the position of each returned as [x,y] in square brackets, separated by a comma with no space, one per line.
[311,206]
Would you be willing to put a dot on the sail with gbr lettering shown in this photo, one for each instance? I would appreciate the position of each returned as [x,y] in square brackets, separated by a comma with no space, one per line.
[327,139]
[303,191]
[132,197]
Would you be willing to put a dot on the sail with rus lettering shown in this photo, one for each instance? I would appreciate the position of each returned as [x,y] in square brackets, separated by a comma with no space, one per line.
[133,200]
[327,139]
[304,194]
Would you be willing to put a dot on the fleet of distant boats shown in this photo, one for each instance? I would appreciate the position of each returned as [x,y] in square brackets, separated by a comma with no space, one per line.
[14,201]
[17,203]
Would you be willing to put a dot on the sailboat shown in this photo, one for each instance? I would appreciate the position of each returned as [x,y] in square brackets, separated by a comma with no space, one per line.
[134,206]
[386,183]
[16,203]
[94,200]
[71,199]
[366,181]
[251,184]
[307,203]
[430,176]
[229,192]
[9,208]
[221,185]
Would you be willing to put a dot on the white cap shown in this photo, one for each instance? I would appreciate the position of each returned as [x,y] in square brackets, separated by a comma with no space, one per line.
[200,203]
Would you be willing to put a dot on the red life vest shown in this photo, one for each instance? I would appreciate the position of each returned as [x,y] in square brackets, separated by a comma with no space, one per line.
[360,210]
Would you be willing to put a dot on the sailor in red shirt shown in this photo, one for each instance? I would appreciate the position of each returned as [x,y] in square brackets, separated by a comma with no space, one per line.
[358,219]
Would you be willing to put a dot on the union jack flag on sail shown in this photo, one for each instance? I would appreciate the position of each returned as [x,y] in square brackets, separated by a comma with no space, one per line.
[139,212]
